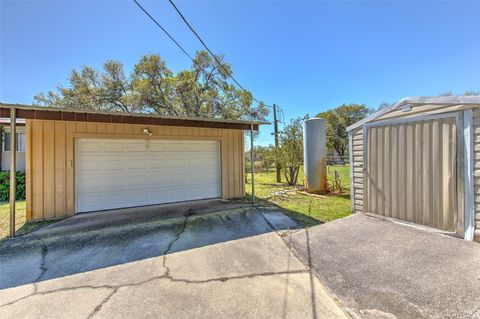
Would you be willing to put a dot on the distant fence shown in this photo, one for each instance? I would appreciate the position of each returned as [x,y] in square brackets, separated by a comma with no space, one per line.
[338,160]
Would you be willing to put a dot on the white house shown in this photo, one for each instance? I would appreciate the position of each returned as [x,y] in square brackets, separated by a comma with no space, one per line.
[5,145]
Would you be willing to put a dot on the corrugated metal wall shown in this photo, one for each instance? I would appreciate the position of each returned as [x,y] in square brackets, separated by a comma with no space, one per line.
[358,189]
[411,172]
[476,140]
[50,159]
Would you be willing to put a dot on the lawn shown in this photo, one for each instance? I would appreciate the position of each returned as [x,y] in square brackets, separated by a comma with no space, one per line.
[21,226]
[309,210]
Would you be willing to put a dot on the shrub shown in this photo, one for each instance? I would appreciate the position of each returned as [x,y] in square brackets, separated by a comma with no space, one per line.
[5,186]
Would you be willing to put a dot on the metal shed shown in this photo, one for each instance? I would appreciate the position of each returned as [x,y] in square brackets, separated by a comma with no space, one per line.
[418,161]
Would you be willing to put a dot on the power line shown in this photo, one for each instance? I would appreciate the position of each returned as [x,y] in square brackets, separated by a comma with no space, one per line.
[203,43]
[163,29]
[213,55]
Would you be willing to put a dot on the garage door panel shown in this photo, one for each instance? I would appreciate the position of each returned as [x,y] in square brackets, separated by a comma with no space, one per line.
[90,147]
[113,165]
[196,147]
[177,194]
[157,147]
[136,163]
[113,146]
[88,164]
[411,173]
[177,162]
[124,173]
[177,147]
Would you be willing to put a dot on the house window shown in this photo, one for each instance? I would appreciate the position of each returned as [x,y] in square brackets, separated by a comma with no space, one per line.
[20,141]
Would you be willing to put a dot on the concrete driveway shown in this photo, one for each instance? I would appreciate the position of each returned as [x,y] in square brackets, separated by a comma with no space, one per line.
[200,260]
[382,269]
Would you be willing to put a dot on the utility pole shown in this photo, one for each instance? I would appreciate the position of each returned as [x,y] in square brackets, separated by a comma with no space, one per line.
[275,128]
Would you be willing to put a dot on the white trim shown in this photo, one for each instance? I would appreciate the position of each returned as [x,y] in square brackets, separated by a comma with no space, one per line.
[412,119]
[439,100]
[377,114]
[151,192]
[413,225]
[350,155]
[469,204]
[365,150]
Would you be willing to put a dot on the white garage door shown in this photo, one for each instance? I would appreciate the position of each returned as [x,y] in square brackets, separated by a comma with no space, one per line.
[113,173]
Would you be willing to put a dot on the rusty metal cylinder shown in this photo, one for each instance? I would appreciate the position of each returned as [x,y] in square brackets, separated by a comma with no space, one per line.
[315,155]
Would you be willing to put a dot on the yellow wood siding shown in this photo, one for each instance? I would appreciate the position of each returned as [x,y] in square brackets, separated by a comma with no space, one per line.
[357,140]
[50,159]
[476,141]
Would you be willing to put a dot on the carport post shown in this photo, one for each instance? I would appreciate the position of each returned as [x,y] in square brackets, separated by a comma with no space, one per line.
[13,151]
[251,164]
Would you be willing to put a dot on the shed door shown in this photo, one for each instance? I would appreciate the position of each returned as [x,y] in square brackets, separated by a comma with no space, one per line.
[114,173]
[411,172]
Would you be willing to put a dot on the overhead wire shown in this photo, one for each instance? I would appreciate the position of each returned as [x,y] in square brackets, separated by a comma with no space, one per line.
[208,50]
[213,55]
[163,29]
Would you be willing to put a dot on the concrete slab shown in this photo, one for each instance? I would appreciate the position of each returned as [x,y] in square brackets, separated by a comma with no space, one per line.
[382,269]
[216,265]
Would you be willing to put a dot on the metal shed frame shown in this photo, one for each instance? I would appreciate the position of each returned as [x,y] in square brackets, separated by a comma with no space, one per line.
[464,155]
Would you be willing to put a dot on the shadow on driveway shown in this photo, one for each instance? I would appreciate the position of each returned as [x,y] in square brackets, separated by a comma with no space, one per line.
[96,240]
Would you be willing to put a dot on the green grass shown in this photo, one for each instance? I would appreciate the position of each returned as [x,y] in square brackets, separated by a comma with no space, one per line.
[309,210]
[21,225]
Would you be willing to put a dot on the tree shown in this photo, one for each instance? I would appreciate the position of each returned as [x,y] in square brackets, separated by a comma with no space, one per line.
[337,121]
[265,157]
[203,90]
[290,151]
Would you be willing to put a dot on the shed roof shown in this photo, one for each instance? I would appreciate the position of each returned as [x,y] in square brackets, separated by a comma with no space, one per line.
[439,101]
[50,113]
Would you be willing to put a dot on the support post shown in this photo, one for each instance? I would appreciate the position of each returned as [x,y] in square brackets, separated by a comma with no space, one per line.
[275,133]
[252,164]
[13,151]
[468,188]
[350,155]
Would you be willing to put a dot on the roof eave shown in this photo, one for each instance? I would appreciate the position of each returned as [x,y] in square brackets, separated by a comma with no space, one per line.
[34,112]
[420,100]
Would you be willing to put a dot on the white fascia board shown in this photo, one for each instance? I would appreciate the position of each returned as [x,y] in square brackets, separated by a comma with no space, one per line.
[421,100]
[377,114]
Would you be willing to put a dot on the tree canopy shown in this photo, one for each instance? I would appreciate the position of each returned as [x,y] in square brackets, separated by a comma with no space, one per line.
[202,90]
[337,120]
[290,151]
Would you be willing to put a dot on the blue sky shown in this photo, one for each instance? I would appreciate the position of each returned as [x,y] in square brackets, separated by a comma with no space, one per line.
[304,56]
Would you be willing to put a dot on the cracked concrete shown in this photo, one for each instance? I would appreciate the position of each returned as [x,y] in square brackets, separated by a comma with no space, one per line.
[223,264]
[382,269]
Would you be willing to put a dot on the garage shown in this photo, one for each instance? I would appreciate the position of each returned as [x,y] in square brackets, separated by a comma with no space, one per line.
[117,173]
[418,161]
[79,161]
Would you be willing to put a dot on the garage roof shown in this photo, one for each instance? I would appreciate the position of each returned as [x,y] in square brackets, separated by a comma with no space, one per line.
[50,113]
[440,101]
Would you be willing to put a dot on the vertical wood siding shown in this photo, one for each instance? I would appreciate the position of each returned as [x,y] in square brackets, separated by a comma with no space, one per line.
[476,141]
[50,159]
[357,140]
[411,172]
